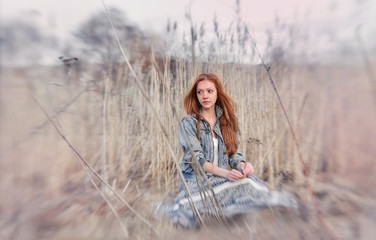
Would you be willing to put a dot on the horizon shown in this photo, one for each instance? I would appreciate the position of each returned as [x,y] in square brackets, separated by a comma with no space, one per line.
[330,27]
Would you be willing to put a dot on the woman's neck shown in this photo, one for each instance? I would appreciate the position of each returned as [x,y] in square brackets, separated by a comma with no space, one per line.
[209,115]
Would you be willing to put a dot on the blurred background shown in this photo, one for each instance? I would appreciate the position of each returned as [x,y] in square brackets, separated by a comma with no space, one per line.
[323,31]
[62,57]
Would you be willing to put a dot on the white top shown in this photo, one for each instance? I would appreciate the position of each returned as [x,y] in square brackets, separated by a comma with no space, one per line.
[215,161]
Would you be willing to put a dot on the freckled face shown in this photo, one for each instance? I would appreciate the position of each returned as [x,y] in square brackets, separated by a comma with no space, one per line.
[206,94]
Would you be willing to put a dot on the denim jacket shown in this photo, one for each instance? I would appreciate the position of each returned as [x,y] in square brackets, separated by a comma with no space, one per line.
[204,149]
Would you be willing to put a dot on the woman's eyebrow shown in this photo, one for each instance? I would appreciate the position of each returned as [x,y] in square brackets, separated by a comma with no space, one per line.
[204,89]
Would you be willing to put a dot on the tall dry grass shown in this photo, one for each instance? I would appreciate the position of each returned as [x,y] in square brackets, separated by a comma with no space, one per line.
[118,132]
[105,116]
[112,126]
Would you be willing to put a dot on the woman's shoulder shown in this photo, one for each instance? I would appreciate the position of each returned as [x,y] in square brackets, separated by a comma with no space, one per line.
[188,122]
[191,117]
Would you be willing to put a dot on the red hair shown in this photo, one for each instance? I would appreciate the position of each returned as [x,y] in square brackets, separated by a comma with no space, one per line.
[228,121]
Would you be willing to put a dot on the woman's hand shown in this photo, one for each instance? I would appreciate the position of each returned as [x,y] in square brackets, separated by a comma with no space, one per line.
[248,169]
[234,175]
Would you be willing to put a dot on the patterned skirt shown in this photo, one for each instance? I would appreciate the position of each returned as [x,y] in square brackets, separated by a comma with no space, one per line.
[222,198]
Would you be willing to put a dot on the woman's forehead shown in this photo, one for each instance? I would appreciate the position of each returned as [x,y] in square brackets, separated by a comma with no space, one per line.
[205,84]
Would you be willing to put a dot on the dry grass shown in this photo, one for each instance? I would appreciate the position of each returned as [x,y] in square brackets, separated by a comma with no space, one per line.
[127,131]
[45,193]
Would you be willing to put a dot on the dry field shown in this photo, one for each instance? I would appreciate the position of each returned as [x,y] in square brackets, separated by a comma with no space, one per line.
[45,193]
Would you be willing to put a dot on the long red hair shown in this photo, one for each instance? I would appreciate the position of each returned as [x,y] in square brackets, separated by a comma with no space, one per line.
[228,121]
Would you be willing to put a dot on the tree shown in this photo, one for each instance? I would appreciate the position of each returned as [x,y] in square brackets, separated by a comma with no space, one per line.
[99,43]
[22,42]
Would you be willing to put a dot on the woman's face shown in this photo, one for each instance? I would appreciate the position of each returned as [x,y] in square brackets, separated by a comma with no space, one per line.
[206,94]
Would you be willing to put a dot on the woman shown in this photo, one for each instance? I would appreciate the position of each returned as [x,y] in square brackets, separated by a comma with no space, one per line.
[211,121]
[209,136]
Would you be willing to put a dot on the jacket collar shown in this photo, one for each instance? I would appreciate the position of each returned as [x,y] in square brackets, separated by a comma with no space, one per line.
[218,111]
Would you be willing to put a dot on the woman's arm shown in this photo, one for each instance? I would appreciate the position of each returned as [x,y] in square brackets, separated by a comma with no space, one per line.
[232,175]
[237,157]
[187,135]
[246,168]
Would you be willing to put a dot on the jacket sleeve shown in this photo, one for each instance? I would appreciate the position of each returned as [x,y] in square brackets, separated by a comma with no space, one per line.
[187,134]
[237,157]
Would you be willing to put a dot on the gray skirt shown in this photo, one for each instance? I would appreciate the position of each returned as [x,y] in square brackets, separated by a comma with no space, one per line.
[223,198]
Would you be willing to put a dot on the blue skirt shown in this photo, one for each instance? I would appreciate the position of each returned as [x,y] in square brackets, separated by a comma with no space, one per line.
[223,198]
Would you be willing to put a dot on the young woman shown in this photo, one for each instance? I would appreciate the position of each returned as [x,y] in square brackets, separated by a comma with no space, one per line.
[209,137]
[211,130]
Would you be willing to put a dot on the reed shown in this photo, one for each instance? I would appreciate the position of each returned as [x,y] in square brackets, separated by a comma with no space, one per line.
[124,120]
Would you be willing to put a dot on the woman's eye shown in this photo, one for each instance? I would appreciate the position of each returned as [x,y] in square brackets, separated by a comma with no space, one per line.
[210,91]
[199,92]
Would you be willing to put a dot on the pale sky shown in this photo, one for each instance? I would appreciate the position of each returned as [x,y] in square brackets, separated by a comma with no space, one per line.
[153,13]
[322,18]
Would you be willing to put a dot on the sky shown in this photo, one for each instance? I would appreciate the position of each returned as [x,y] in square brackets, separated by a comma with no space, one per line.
[322,19]
[67,14]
